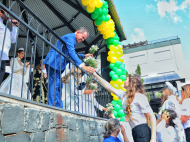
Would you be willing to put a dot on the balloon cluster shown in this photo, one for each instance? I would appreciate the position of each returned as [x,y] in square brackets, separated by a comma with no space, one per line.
[99,13]
[118,111]
[106,26]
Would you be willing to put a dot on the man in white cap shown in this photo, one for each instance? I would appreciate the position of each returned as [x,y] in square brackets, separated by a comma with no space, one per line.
[6,38]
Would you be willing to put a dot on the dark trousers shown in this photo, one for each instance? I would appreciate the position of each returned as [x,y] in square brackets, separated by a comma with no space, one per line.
[187,133]
[2,70]
[141,133]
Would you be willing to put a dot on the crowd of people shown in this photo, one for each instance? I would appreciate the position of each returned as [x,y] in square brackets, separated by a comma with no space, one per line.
[172,124]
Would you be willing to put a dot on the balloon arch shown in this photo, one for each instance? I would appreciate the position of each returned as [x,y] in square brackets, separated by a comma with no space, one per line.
[106,26]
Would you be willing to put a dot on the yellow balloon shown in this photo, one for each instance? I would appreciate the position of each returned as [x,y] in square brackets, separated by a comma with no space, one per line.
[115,98]
[90,9]
[111,53]
[119,82]
[112,94]
[105,36]
[119,54]
[112,82]
[113,48]
[92,3]
[112,34]
[108,59]
[85,2]
[123,89]
[113,59]
[99,4]
[121,60]
[115,86]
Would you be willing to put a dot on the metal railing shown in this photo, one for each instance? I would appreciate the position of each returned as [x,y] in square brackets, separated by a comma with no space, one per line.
[42,39]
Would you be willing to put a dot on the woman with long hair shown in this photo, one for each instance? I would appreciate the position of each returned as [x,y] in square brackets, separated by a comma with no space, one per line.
[170,128]
[135,104]
[17,77]
[111,129]
[185,110]
[169,101]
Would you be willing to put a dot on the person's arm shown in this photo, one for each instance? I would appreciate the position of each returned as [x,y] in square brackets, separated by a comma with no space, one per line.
[153,126]
[146,109]
[81,55]
[184,118]
[185,111]
[14,32]
[107,85]
[124,134]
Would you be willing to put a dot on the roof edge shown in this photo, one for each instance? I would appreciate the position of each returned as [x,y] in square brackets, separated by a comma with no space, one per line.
[116,19]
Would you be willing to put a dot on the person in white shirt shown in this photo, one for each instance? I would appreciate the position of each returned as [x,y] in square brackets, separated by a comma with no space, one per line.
[135,104]
[9,38]
[170,128]
[169,101]
[185,110]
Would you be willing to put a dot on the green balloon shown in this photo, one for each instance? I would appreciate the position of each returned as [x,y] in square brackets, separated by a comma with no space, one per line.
[111,73]
[117,107]
[106,41]
[107,18]
[98,22]
[111,65]
[124,72]
[115,113]
[97,10]
[111,40]
[104,11]
[117,64]
[114,102]
[94,16]
[114,77]
[122,67]
[108,46]
[115,42]
[123,118]
[118,72]
[115,68]
[119,102]
[122,77]
[121,113]
[117,117]
[101,17]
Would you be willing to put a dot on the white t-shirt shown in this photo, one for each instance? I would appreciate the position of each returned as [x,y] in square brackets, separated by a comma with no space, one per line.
[185,110]
[164,134]
[173,104]
[139,106]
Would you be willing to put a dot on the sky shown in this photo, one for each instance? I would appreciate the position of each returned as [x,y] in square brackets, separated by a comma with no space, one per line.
[156,19]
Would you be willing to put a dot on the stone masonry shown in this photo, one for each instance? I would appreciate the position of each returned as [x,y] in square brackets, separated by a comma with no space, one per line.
[21,122]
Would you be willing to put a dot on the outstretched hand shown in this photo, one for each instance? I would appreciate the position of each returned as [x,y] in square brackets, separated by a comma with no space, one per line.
[87,55]
[88,69]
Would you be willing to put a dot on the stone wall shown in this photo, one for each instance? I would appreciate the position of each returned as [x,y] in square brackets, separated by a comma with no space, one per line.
[22,121]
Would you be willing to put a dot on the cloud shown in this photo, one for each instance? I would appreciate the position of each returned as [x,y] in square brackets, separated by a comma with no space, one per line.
[151,8]
[185,27]
[168,9]
[185,4]
[138,35]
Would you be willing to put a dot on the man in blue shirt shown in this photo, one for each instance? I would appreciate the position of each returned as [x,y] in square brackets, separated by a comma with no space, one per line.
[57,63]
